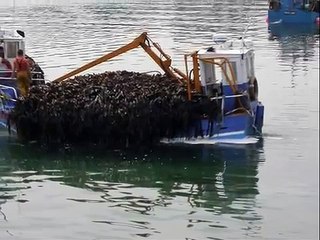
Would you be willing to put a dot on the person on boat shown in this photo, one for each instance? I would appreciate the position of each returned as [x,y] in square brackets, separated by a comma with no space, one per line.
[298,3]
[21,69]
[274,4]
[5,65]
[315,6]
[37,72]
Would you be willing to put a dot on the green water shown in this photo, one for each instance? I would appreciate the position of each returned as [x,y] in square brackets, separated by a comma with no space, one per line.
[199,188]
[264,191]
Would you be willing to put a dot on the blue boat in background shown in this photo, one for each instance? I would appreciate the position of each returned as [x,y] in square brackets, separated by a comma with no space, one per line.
[294,11]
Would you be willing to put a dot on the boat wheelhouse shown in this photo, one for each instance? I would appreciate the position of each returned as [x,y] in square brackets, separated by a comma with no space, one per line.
[294,11]
[227,77]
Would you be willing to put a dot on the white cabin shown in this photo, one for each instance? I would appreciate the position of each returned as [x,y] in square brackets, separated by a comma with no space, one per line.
[241,57]
[11,41]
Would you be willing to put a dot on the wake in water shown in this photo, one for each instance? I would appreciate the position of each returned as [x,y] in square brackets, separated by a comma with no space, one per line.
[235,138]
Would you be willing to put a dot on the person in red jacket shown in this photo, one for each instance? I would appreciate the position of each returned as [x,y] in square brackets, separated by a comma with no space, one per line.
[21,69]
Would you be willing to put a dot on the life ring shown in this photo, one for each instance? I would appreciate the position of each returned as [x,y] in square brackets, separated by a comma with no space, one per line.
[253,89]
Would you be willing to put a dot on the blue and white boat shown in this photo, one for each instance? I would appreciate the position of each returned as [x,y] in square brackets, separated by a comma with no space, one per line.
[294,11]
[222,79]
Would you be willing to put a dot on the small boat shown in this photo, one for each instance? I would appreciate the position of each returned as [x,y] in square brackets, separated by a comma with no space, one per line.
[10,42]
[293,11]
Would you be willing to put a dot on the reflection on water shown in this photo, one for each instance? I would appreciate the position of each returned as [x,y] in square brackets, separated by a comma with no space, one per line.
[220,180]
[298,45]
[171,192]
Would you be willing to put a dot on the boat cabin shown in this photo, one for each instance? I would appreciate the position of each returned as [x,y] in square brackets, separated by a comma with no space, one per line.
[227,69]
[11,41]
[236,57]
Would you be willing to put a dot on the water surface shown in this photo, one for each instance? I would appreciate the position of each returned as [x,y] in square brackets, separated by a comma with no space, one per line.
[265,191]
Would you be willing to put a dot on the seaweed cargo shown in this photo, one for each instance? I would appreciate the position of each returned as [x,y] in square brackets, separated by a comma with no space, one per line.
[215,100]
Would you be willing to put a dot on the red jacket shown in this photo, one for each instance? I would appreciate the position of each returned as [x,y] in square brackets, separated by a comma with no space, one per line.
[21,64]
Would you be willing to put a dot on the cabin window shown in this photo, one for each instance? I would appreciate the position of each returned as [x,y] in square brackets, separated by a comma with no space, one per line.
[209,73]
[228,72]
[274,4]
[12,49]
[248,67]
[219,74]
[234,67]
[252,64]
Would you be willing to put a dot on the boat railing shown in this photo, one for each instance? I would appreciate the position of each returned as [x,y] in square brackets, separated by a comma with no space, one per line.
[5,96]
[224,97]
[228,96]
[6,76]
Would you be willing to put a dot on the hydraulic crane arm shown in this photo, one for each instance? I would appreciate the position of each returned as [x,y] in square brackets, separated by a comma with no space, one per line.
[144,41]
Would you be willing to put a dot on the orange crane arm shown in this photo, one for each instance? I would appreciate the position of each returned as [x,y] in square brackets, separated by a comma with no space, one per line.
[143,40]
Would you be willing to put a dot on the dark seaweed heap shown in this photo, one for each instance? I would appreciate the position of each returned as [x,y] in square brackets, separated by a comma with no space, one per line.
[116,109]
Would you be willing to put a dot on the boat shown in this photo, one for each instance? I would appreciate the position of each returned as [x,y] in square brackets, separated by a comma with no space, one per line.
[283,31]
[11,40]
[220,77]
[294,11]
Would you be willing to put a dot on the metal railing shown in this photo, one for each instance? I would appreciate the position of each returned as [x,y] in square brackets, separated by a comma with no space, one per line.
[7,72]
[7,82]
[5,96]
[224,97]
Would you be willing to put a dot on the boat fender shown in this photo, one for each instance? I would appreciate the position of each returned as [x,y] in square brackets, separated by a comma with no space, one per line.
[253,89]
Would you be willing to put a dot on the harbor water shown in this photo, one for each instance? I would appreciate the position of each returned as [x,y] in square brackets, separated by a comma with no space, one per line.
[268,190]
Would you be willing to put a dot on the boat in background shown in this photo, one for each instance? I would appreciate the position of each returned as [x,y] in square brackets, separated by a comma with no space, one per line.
[294,11]
[10,42]
[292,30]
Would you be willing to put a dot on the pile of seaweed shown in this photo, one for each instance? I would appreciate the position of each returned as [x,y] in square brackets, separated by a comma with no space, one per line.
[116,109]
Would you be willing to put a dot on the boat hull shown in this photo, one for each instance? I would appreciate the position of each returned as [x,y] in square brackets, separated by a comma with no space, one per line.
[239,128]
[292,16]
[233,127]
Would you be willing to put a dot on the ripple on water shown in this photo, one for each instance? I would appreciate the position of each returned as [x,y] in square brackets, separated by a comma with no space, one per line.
[202,194]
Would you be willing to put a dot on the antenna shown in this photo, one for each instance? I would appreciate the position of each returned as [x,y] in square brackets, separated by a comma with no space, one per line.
[249,23]
[246,30]
[14,11]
